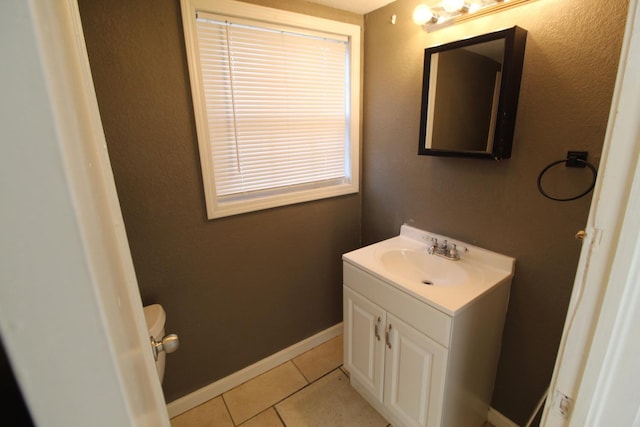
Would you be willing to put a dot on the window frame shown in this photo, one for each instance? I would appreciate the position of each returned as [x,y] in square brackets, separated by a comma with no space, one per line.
[238,9]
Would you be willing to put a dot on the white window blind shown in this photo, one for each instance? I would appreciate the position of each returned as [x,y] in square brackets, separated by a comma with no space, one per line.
[276,98]
[277,107]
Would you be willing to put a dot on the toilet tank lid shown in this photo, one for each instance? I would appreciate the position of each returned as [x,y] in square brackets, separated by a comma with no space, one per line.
[155,317]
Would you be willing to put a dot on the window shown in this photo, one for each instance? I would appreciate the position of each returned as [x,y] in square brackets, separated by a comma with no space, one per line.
[276,98]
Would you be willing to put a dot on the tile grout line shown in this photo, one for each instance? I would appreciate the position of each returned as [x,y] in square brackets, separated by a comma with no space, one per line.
[301,389]
[279,416]
[300,370]
[346,373]
[228,410]
[276,403]
[233,421]
[286,397]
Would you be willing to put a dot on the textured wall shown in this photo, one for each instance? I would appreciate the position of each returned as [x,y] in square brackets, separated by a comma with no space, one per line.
[569,72]
[235,289]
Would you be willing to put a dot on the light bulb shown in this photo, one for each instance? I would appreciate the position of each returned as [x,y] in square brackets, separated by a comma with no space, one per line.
[423,14]
[452,6]
[476,5]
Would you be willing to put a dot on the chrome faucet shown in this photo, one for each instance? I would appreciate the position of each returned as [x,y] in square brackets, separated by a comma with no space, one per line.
[444,249]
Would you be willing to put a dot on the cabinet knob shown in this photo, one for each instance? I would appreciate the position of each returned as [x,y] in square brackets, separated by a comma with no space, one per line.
[376,330]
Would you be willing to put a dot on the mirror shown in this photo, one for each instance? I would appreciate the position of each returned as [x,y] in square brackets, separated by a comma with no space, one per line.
[470,92]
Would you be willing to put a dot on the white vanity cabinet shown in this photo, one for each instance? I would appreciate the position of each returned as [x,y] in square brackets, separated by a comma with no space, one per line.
[393,362]
[419,366]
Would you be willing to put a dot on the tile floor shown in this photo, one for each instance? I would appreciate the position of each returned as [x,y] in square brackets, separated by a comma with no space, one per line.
[309,390]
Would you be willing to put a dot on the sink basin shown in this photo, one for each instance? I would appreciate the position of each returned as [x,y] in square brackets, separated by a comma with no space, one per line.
[404,262]
[430,270]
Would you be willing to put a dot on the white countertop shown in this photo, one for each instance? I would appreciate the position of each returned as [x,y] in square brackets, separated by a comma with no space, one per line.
[487,269]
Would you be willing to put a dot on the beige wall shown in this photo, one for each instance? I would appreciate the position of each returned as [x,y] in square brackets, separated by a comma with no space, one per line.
[235,289]
[570,66]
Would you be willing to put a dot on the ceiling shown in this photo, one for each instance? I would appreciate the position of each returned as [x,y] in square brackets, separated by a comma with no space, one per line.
[356,6]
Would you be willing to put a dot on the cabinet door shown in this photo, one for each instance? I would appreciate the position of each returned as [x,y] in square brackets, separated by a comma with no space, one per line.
[414,375]
[364,342]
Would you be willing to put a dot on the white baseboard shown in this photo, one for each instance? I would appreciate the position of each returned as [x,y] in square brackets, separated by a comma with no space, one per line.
[214,389]
[498,420]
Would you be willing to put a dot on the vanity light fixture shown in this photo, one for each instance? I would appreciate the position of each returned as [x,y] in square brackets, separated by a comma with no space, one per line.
[454,6]
[448,12]
[423,15]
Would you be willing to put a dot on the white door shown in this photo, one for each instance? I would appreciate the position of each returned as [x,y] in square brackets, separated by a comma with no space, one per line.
[364,342]
[70,311]
[596,365]
[414,375]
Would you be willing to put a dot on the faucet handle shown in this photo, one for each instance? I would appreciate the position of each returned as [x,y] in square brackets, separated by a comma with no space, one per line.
[453,252]
[433,246]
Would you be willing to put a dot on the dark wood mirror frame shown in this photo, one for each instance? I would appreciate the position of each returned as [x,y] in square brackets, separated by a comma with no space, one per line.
[500,121]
